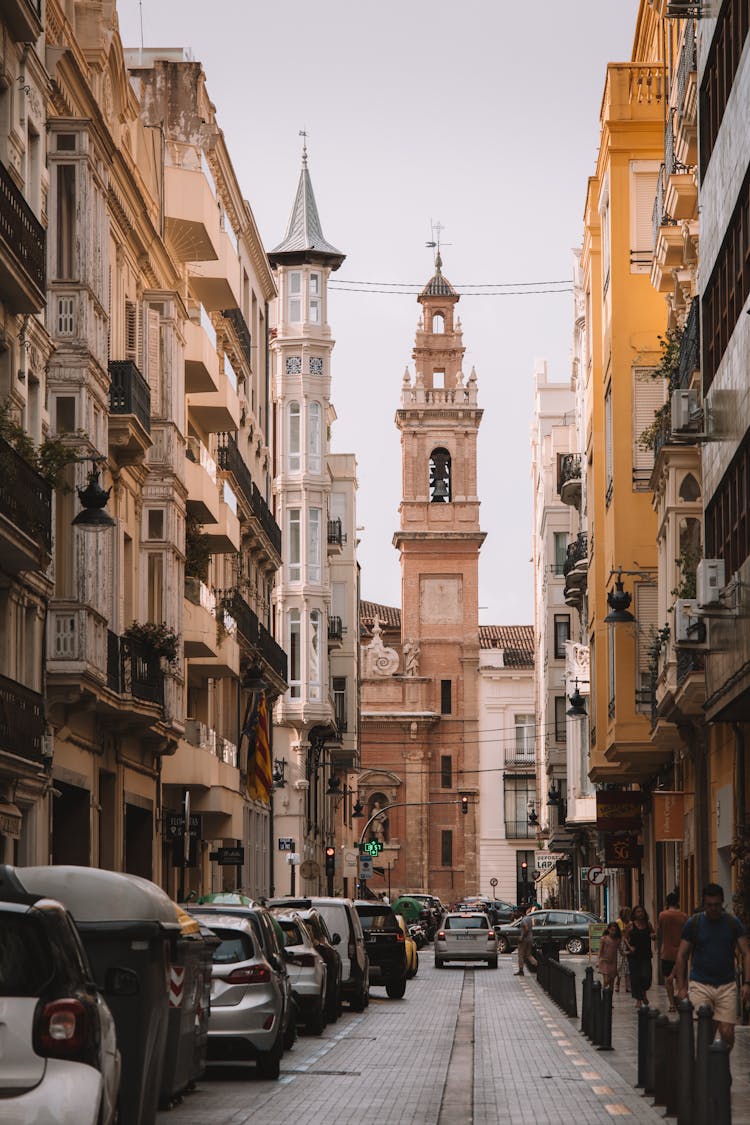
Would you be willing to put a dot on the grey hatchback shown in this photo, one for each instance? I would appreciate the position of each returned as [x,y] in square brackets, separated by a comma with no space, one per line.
[566,929]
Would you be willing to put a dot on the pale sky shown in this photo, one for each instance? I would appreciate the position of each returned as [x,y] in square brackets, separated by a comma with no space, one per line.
[483,116]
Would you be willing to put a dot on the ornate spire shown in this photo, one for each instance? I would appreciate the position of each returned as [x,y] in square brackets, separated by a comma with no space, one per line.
[304,241]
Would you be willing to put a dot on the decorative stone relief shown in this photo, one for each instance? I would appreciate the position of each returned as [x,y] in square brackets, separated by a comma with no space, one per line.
[440,600]
[411,658]
[379,660]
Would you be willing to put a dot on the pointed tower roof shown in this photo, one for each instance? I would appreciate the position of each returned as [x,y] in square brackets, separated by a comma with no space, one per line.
[304,241]
[438,286]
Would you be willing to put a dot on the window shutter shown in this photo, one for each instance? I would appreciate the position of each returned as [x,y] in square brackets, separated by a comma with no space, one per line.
[649,395]
[641,226]
[608,460]
[131,331]
[646,608]
[152,357]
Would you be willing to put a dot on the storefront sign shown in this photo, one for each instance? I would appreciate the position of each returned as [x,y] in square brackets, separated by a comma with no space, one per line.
[618,812]
[174,826]
[228,857]
[10,821]
[622,852]
[669,816]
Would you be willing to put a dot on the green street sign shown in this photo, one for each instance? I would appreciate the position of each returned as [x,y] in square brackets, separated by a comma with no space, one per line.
[371,847]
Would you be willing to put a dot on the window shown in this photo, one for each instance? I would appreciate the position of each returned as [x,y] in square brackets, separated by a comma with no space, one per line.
[643,177]
[438,380]
[440,476]
[562,634]
[727,521]
[294,549]
[608,458]
[728,287]
[65,414]
[649,394]
[293,364]
[294,306]
[560,718]
[446,848]
[646,609]
[719,73]
[314,305]
[155,517]
[339,702]
[519,799]
[525,742]
[446,771]
[66,220]
[314,437]
[155,571]
[295,682]
[316,365]
[313,544]
[604,222]
[438,323]
[445,697]
[315,678]
[294,454]
[561,551]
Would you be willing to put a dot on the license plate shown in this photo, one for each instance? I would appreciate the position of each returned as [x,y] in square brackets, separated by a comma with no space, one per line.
[465,937]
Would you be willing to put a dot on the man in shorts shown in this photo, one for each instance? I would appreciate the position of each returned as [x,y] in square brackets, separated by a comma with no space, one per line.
[525,944]
[709,941]
[669,927]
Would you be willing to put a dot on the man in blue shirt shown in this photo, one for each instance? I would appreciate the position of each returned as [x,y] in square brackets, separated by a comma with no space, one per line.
[710,940]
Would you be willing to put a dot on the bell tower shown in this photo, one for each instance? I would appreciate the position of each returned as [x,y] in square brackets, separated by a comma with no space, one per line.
[439,540]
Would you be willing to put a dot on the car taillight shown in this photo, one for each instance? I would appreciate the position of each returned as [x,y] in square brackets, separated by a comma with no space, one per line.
[63,1030]
[253,974]
[305,960]
[491,935]
[441,935]
[400,936]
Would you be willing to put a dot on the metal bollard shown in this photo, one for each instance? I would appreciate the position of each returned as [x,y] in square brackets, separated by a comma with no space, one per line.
[685,1063]
[719,1084]
[588,982]
[642,1045]
[703,1043]
[605,1042]
[596,1005]
[673,1073]
[648,1085]
[661,1062]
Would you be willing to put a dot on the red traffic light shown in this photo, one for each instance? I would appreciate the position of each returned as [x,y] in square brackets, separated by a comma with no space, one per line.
[330,853]
[465,805]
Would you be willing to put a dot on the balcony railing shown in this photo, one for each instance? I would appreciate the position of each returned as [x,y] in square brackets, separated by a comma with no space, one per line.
[690,346]
[577,552]
[570,469]
[132,669]
[520,830]
[242,332]
[688,661]
[21,720]
[129,393]
[339,706]
[272,652]
[21,231]
[335,535]
[523,756]
[253,632]
[25,497]
[672,166]
[231,461]
[335,629]
[262,513]
[687,65]
[659,217]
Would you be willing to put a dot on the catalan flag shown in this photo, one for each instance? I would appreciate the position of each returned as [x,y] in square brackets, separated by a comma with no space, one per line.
[259,774]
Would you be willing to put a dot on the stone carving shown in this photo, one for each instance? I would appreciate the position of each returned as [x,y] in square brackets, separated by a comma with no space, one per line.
[378,659]
[379,826]
[411,658]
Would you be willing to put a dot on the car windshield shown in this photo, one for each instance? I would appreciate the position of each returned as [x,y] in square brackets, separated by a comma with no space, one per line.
[235,946]
[26,959]
[291,932]
[468,922]
[374,919]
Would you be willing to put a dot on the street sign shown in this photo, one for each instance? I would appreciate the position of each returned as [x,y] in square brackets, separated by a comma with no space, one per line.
[365,867]
[584,874]
[371,847]
[294,857]
[350,860]
[286,844]
[493,881]
[596,876]
[228,857]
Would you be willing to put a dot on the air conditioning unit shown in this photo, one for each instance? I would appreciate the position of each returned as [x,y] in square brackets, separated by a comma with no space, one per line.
[196,733]
[689,628]
[684,410]
[710,579]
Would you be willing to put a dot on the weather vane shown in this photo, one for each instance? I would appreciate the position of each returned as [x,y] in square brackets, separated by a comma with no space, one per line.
[303,134]
[435,242]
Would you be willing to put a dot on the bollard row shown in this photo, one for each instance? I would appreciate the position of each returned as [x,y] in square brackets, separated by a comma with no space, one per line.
[559,982]
[596,1011]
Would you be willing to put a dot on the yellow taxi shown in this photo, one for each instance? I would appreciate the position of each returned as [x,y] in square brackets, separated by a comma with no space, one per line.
[412,954]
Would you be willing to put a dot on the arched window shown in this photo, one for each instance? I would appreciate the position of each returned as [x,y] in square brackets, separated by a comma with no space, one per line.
[438,323]
[690,490]
[440,476]
[314,437]
[294,450]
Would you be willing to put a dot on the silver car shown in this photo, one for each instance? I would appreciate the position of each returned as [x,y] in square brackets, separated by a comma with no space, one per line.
[307,972]
[247,998]
[466,937]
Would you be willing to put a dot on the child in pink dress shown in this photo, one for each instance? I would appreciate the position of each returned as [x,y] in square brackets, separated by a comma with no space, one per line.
[607,964]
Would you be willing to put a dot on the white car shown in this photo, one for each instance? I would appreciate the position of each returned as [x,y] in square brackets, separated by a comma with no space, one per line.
[59,1062]
[307,971]
[468,936]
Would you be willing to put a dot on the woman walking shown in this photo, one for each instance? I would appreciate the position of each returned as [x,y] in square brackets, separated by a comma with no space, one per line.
[623,968]
[638,937]
[608,950]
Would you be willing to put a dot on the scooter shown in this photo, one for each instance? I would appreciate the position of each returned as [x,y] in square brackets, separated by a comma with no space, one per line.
[417,932]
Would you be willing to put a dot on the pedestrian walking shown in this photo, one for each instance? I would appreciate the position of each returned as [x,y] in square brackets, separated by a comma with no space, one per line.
[638,937]
[623,966]
[669,927]
[710,941]
[525,945]
[608,953]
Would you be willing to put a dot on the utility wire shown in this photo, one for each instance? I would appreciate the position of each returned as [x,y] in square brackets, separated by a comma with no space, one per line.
[417,289]
[468,285]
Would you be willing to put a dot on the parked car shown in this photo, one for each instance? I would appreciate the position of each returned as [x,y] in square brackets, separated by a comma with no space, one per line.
[60,1064]
[412,953]
[321,937]
[248,997]
[465,936]
[498,910]
[307,972]
[345,928]
[386,946]
[568,929]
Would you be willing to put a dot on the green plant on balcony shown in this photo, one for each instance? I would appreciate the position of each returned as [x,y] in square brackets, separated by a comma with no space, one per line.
[197,550]
[662,423]
[667,368]
[657,642]
[687,566]
[158,639]
[49,459]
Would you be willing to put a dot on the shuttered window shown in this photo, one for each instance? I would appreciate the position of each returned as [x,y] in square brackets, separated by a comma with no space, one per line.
[152,359]
[643,176]
[649,395]
[608,442]
[646,608]
[132,325]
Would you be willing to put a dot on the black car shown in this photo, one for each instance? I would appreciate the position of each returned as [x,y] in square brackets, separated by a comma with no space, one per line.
[386,947]
[566,929]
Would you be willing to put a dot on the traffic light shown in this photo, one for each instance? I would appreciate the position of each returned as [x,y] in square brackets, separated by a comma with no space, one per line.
[330,860]
[465,805]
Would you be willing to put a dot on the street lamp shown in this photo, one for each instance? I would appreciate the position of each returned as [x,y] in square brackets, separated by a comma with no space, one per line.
[92,516]
[618,601]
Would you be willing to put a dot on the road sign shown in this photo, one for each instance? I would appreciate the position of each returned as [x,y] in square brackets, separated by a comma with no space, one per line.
[286,844]
[350,859]
[584,874]
[371,847]
[493,881]
[596,876]
[365,867]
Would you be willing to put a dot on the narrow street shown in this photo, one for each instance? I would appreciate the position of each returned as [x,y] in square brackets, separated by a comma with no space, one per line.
[465,1045]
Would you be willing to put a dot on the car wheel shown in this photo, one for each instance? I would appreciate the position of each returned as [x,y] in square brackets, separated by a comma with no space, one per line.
[575,945]
[358,1003]
[395,989]
[290,1035]
[416,964]
[268,1064]
[492,963]
[503,944]
[439,963]
[315,1024]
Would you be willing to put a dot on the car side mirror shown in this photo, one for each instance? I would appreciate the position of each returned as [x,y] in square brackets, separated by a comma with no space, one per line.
[121,982]
[335,939]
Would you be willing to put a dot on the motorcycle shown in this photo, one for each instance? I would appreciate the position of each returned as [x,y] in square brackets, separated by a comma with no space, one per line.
[418,933]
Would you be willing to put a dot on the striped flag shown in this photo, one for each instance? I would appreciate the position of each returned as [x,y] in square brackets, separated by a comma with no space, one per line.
[259,772]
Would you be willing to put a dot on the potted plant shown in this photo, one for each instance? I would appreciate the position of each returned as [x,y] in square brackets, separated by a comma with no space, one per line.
[160,639]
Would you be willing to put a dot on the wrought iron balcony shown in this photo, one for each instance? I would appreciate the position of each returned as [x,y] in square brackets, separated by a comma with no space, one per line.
[25,501]
[336,536]
[690,346]
[129,393]
[687,65]
[242,332]
[272,652]
[335,629]
[688,661]
[659,217]
[577,553]
[24,19]
[262,513]
[21,720]
[133,669]
[231,461]
[22,248]
[253,632]
[569,480]
[520,757]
